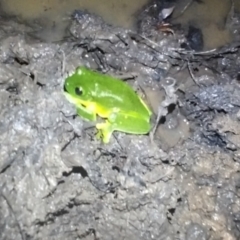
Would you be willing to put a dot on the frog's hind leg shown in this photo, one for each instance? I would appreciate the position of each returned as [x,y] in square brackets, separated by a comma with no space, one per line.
[105,131]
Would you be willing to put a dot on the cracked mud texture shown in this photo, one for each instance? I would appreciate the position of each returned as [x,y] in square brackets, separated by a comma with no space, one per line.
[58,181]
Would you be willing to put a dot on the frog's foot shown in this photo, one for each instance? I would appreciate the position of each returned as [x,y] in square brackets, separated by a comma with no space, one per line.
[105,131]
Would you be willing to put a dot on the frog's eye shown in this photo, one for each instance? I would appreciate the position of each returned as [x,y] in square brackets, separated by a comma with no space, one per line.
[78,91]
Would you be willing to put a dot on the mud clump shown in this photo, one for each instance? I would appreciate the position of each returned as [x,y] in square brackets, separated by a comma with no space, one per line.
[59,182]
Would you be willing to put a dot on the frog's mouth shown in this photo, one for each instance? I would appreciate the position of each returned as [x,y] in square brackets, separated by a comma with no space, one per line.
[70,98]
[65,89]
[74,100]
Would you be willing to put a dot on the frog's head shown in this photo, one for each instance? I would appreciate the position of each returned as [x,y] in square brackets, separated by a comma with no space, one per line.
[77,86]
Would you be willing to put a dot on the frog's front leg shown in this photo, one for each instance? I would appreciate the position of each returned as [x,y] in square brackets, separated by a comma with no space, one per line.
[105,131]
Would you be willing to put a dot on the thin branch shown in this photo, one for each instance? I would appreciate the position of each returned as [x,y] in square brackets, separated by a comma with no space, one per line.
[192,75]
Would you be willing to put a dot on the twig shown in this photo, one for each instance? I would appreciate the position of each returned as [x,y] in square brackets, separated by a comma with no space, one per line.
[186,7]
[192,52]
[192,75]
[171,98]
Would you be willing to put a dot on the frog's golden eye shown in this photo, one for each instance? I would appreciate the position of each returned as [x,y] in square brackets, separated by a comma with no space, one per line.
[78,91]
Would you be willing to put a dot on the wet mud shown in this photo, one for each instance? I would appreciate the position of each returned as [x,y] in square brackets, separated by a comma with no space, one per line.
[180,181]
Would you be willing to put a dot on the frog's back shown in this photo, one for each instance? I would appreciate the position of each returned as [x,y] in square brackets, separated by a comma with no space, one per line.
[112,92]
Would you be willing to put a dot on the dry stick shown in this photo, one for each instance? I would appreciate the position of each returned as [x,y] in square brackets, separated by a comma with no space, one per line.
[184,9]
[192,75]
[192,52]
[155,45]
[178,50]
[162,111]
[171,97]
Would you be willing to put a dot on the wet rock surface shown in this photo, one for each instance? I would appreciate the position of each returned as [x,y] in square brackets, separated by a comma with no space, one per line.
[58,181]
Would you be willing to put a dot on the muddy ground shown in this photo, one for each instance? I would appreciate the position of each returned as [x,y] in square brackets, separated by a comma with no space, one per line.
[59,182]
